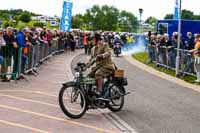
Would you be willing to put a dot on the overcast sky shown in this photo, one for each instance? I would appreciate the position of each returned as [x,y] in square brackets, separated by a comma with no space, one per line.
[157,8]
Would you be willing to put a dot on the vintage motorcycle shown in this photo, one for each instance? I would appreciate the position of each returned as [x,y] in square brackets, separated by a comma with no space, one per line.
[77,96]
[117,49]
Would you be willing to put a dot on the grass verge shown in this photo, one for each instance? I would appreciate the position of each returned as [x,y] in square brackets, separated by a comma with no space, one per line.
[143,57]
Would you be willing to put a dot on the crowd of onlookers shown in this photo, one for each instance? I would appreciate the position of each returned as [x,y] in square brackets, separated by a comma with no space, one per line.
[111,38]
[14,43]
[15,47]
[162,49]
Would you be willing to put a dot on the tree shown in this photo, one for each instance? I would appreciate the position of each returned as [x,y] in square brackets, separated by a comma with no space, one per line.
[21,25]
[77,21]
[6,24]
[101,18]
[106,18]
[110,19]
[196,17]
[25,17]
[39,24]
[127,22]
[186,14]
[15,13]
[169,16]
[87,19]
[151,20]
[98,18]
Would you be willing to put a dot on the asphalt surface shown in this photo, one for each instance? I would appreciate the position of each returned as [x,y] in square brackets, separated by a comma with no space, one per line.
[156,105]
[32,106]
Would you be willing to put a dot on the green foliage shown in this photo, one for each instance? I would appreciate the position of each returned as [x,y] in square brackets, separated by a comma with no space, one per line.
[106,18]
[77,21]
[8,23]
[168,16]
[186,14]
[14,14]
[13,17]
[128,22]
[20,25]
[97,17]
[39,24]
[25,17]
[109,17]
[31,24]
[196,17]
[144,58]
[151,20]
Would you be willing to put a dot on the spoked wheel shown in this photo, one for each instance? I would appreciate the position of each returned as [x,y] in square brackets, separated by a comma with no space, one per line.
[117,54]
[116,97]
[72,101]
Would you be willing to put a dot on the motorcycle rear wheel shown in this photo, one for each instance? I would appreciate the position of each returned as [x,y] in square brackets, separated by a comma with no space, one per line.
[116,94]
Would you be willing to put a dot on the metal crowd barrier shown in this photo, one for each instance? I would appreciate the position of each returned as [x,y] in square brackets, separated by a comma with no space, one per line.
[166,58]
[18,61]
[42,52]
[11,59]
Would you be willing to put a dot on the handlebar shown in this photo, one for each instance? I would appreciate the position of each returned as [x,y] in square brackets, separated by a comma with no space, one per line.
[80,67]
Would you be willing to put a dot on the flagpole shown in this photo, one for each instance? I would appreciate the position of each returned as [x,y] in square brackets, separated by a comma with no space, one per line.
[179,40]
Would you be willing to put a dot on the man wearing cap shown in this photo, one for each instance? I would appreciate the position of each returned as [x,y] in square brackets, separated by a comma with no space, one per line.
[104,64]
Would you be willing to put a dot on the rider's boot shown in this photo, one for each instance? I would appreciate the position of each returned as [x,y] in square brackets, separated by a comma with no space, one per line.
[99,83]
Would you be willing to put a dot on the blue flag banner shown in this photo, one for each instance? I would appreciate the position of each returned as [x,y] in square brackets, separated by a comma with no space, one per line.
[65,24]
[176,10]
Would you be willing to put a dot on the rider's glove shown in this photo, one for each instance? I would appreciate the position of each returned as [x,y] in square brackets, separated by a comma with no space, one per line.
[99,57]
[87,65]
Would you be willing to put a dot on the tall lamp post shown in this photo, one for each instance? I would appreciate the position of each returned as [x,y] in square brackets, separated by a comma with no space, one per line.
[140,11]
[179,40]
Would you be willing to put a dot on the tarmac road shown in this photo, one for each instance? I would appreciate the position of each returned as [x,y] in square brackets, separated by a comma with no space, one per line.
[156,105]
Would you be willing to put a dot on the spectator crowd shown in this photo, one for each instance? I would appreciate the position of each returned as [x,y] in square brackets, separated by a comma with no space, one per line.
[25,49]
[162,50]
[22,51]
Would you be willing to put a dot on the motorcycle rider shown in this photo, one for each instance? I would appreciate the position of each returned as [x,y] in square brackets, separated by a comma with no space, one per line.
[104,64]
[117,41]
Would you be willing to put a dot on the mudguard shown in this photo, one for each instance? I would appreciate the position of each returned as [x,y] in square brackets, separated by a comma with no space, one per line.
[69,84]
[123,89]
[72,83]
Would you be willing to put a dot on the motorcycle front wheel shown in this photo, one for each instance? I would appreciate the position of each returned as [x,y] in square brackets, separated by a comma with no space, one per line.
[72,101]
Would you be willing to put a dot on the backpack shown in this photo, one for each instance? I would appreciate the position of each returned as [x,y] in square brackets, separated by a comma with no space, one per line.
[21,39]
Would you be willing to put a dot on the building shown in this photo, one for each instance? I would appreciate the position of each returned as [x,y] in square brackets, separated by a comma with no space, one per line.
[53,21]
